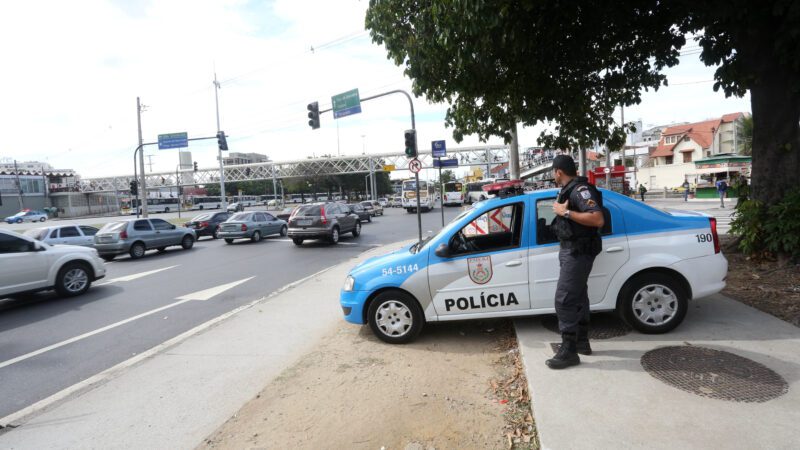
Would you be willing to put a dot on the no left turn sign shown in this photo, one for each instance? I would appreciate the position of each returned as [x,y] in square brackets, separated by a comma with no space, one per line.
[415,166]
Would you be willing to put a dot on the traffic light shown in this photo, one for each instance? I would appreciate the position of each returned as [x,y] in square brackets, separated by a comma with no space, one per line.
[313,115]
[411,143]
[134,186]
[222,141]
[195,166]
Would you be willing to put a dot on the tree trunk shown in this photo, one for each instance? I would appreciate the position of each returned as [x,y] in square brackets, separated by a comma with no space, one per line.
[776,133]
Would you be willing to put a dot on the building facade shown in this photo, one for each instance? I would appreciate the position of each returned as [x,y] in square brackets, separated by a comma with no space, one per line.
[236,158]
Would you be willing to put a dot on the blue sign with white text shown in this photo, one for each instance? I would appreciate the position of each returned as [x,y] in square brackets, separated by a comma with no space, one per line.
[173,140]
[445,163]
[438,148]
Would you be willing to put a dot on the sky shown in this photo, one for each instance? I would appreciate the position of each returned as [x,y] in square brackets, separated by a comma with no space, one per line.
[73,70]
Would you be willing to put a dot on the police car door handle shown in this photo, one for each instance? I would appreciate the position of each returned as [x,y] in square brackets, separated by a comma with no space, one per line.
[513,263]
[614,249]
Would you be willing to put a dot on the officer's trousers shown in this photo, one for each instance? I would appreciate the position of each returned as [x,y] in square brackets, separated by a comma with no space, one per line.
[572,295]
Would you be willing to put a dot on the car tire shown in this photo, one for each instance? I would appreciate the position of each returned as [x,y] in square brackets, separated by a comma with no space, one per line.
[19,220]
[215,234]
[662,294]
[228,241]
[108,258]
[297,241]
[369,219]
[357,230]
[73,279]
[334,237]
[284,231]
[166,210]
[187,242]
[395,317]
[256,237]
[42,219]
[137,250]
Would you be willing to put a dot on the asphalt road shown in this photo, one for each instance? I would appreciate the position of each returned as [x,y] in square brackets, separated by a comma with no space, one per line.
[48,343]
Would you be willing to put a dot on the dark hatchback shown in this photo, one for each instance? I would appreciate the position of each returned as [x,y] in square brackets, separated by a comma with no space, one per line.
[206,224]
[363,214]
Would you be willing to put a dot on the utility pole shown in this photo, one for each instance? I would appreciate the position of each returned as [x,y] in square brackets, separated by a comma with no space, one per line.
[150,163]
[142,183]
[513,154]
[19,187]
[608,151]
[219,151]
[278,203]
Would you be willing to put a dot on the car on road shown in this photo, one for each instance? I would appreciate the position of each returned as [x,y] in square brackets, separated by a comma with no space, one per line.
[27,215]
[397,202]
[374,208]
[323,221]
[499,258]
[30,265]
[207,224]
[384,202]
[363,214]
[136,236]
[286,213]
[235,207]
[253,225]
[64,234]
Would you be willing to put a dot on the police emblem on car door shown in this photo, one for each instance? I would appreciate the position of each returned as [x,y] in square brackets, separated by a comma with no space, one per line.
[486,269]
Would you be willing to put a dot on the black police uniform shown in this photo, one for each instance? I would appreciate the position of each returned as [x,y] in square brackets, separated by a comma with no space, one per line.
[579,246]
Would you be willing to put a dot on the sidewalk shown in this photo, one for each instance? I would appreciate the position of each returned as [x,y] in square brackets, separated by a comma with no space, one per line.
[183,392]
[610,401]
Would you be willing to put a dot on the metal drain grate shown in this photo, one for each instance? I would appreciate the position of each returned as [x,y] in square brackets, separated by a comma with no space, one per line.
[602,326]
[714,374]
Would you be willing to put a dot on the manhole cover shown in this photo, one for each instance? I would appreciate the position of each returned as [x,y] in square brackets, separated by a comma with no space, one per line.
[602,326]
[714,374]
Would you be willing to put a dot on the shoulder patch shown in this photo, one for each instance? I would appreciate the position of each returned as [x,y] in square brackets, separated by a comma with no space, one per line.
[586,195]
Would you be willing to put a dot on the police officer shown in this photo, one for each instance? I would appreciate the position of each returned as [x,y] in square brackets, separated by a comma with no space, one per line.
[579,218]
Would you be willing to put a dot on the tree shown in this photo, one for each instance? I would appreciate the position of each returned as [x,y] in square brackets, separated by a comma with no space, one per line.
[570,64]
[447,176]
[747,136]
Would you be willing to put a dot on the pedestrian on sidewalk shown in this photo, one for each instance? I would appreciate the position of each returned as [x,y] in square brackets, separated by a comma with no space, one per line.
[579,218]
[722,188]
[642,190]
[686,187]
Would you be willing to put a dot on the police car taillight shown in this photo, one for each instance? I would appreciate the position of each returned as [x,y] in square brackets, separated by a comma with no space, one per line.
[714,233]
[505,188]
[323,219]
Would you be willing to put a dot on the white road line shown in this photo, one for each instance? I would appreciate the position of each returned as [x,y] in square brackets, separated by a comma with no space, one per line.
[212,292]
[135,276]
[201,295]
[17,417]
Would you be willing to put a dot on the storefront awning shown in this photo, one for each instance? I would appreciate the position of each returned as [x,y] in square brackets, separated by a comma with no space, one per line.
[717,170]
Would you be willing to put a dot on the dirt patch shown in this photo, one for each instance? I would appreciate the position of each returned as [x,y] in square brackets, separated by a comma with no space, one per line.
[448,389]
[764,285]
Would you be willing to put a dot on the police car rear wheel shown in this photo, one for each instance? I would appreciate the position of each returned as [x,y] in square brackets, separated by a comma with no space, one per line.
[654,303]
[395,317]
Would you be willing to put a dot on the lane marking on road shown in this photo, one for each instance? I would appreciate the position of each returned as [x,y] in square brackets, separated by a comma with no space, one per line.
[16,418]
[201,295]
[135,276]
[212,292]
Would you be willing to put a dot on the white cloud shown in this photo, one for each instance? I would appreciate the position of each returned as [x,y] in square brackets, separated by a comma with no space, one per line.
[74,69]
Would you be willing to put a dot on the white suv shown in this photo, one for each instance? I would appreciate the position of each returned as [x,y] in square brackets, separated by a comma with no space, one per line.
[29,265]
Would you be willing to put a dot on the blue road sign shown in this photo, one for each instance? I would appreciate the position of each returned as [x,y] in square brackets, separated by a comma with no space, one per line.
[445,163]
[438,149]
[173,140]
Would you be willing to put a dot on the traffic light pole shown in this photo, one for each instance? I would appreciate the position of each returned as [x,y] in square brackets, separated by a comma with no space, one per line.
[219,150]
[413,127]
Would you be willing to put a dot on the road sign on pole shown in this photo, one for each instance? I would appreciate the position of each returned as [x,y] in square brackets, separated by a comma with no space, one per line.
[415,165]
[389,168]
[445,163]
[173,140]
[438,148]
[346,104]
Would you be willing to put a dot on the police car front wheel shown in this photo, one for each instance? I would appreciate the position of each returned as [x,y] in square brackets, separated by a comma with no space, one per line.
[395,317]
[654,303]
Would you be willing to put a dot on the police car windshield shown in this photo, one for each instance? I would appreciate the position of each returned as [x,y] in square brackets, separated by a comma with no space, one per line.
[447,228]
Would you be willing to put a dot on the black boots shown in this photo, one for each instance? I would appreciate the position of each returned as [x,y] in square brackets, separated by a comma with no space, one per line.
[567,355]
[582,346]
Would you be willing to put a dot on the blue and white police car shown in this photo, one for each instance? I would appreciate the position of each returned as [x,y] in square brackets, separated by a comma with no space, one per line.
[500,259]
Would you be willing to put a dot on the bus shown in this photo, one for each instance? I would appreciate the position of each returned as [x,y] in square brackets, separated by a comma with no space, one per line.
[453,194]
[206,202]
[427,196]
[245,200]
[475,192]
[158,205]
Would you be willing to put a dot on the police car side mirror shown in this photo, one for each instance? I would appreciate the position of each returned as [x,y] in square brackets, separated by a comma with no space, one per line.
[442,251]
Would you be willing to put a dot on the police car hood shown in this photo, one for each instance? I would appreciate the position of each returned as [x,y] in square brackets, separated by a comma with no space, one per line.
[398,256]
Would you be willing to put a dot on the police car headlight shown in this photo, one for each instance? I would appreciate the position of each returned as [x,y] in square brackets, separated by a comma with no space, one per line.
[349,282]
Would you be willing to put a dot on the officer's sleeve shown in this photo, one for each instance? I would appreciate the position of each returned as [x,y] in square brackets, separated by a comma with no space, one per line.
[584,199]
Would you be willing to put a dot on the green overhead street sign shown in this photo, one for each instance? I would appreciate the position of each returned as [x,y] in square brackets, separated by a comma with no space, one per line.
[346,104]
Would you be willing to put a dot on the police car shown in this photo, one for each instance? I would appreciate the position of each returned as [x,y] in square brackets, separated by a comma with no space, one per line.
[500,259]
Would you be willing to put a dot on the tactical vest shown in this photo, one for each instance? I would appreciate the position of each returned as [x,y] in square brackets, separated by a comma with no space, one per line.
[580,238]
